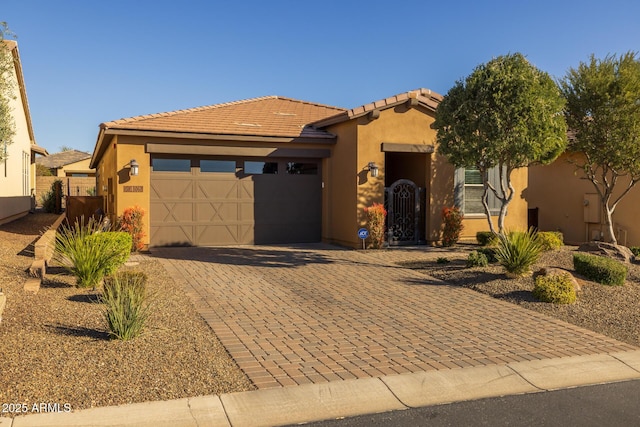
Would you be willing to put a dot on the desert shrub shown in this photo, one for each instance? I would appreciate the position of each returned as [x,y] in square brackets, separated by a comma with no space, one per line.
[126,304]
[131,222]
[119,242]
[442,260]
[86,257]
[452,220]
[489,252]
[486,238]
[376,216]
[606,271]
[555,288]
[49,199]
[477,259]
[517,251]
[550,240]
[635,250]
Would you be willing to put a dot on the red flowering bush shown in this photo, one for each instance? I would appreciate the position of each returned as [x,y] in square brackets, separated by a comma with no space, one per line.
[131,222]
[452,220]
[376,215]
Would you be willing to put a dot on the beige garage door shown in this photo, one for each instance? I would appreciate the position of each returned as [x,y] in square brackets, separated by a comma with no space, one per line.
[225,201]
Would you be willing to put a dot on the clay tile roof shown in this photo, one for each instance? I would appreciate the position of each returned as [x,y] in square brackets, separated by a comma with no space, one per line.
[424,97]
[266,116]
[63,158]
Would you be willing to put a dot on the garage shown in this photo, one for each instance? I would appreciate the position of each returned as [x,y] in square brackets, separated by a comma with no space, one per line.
[218,200]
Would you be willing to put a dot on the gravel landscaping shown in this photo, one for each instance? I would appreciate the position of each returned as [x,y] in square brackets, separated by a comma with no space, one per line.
[610,310]
[55,348]
[54,345]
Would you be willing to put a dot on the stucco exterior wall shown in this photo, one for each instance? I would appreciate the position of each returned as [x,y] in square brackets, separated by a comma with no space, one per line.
[340,180]
[559,190]
[77,167]
[13,189]
[114,165]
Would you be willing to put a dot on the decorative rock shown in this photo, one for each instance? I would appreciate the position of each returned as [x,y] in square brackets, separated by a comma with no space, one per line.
[618,252]
[551,271]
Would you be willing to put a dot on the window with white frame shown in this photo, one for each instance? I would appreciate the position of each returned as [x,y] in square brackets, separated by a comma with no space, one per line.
[469,189]
[26,164]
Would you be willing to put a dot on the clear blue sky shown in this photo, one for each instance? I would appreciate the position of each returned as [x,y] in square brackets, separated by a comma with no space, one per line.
[87,62]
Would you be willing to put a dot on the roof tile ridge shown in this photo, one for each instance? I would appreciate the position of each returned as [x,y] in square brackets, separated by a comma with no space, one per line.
[186,110]
[315,104]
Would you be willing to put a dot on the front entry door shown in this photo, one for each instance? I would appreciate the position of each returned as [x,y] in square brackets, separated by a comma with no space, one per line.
[403,213]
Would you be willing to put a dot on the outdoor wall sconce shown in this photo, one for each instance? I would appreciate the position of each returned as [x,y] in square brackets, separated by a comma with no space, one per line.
[373,168]
[133,167]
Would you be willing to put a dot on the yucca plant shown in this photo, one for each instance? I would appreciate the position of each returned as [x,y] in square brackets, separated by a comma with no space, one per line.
[127,305]
[86,257]
[517,251]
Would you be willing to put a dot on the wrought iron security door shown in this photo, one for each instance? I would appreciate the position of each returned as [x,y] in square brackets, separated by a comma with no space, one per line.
[403,213]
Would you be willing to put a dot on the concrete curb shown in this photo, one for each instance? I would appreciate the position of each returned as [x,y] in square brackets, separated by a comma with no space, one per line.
[315,402]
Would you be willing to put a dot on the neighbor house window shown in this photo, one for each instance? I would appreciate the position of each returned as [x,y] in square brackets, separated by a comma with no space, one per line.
[228,166]
[171,165]
[469,189]
[257,168]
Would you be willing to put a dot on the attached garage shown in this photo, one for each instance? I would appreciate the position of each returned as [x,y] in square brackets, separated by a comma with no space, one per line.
[226,200]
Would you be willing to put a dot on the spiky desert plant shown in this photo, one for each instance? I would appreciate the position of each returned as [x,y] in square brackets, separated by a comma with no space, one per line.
[517,251]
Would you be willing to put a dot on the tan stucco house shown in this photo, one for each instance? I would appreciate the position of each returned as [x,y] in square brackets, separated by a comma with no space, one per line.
[280,170]
[17,169]
[561,199]
[69,163]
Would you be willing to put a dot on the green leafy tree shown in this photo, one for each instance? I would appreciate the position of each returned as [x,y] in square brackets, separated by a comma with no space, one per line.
[7,93]
[603,111]
[506,114]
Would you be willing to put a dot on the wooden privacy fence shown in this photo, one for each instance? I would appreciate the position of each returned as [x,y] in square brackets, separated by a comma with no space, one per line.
[84,206]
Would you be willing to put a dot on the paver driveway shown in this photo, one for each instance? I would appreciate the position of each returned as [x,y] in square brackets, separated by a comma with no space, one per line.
[316,313]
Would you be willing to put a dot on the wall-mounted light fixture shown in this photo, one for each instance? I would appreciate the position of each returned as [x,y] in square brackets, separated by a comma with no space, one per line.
[133,167]
[373,168]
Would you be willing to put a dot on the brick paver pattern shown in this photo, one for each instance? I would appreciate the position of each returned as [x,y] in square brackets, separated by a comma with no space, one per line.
[317,313]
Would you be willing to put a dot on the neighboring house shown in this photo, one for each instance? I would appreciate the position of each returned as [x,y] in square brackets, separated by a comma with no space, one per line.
[70,163]
[17,170]
[280,170]
[561,199]
[72,168]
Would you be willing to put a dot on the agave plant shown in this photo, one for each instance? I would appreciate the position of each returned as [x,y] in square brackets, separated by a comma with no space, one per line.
[517,251]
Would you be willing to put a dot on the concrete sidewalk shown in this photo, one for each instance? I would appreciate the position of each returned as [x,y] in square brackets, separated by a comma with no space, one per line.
[337,399]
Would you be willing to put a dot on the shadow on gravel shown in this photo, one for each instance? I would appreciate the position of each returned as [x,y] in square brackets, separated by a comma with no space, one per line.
[85,298]
[78,331]
[517,296]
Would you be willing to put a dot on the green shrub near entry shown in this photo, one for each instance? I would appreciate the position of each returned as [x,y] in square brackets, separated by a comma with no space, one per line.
[86,257]
[550,240]
[606,271]
[477,259]
[489,252]
[126,303]
[555,288]
[517,251]
[635,250]
[486,238]
[442,260]
[119,242]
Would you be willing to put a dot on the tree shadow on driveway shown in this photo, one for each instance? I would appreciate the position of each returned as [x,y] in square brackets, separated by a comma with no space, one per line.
[258,256]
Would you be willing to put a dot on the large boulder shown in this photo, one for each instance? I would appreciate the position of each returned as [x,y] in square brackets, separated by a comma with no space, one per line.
[618,252]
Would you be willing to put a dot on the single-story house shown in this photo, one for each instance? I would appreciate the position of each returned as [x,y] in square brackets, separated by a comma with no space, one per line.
[560,198]
[17,167]
[68,163]
[280,170]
